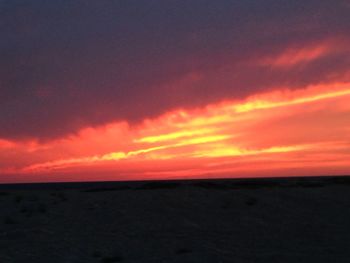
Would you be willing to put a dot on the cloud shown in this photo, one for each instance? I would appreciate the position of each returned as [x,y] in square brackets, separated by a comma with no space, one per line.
[66,66]
[268,132]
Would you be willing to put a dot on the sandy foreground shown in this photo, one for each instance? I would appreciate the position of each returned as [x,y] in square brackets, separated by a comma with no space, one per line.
[260,220]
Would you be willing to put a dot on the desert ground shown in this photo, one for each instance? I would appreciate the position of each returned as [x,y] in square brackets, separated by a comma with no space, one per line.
[256,220]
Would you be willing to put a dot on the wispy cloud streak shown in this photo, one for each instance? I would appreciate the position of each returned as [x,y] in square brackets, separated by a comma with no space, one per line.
[223,133]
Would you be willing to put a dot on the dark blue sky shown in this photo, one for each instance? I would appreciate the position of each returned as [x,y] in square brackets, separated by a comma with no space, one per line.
[65,65]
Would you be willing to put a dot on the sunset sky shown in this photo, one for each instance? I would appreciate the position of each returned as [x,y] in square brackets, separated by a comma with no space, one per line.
[167,89]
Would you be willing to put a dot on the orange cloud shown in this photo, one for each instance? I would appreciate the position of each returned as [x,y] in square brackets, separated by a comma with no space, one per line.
[296,55]
[6,144]
[283,130]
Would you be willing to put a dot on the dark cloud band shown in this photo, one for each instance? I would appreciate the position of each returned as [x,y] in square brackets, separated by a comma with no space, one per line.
[66,65]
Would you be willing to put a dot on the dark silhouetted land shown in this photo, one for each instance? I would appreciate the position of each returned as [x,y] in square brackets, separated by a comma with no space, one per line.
[255,220]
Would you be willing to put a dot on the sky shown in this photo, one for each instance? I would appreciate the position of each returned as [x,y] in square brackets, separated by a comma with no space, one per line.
[169,89]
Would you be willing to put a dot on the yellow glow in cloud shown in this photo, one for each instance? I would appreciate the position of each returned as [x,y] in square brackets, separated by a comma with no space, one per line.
[174,135]
[225,151]
[259,104]
[222,133]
